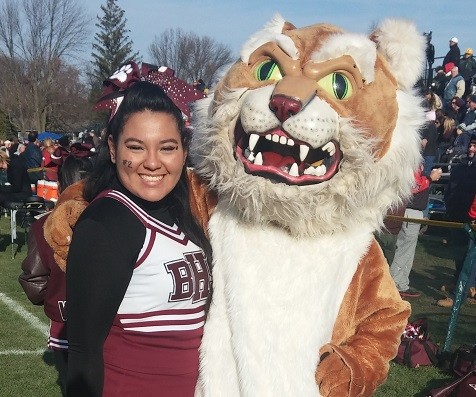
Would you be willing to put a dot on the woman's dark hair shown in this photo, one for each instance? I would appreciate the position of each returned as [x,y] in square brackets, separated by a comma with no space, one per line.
[146,96]
[72,170]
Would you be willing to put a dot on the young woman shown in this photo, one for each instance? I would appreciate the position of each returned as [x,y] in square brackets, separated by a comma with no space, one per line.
[42,279]
[137,270]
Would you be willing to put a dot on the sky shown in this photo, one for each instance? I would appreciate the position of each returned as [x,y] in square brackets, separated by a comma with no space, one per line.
[232,22]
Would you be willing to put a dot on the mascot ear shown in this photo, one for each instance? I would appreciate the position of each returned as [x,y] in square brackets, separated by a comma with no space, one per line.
[399,42]
[272,31]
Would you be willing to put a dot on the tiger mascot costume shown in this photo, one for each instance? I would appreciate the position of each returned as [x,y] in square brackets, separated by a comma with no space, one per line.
[307,141]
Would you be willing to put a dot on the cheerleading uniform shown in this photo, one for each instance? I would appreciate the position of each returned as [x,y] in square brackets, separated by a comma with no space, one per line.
[137,290]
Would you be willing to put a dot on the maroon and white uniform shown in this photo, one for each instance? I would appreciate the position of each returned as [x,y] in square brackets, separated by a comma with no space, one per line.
[150,345]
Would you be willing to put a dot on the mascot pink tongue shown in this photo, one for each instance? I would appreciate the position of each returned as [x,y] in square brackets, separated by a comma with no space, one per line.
[308,140]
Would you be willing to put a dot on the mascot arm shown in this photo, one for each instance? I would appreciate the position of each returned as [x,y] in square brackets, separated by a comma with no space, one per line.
[202,201]
[58,228]
[367,332]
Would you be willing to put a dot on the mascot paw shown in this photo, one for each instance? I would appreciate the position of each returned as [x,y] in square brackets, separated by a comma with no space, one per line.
[333,376]
[58,228]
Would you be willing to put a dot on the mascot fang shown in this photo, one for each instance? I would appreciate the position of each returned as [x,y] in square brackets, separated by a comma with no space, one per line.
[310,138]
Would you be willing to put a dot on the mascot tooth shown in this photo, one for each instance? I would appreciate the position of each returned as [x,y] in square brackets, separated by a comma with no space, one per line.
[310,137]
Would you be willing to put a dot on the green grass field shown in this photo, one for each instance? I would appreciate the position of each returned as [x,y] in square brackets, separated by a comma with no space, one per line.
[28,369]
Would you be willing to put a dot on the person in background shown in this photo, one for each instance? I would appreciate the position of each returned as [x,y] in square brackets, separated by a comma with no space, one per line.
[454,54]
[13,146]
[64,142]
[469,122]
[459,147]
[95,138]
[467,68]
[429,138]
[446,127]
[457,110]
[408,236]
[49,167]
[19,187]
[137,271]
[3,167]
[387,236]
[439,81]
[33,158]
[455,86]
[460,205]
[433,101]
[42,279]
[7,144]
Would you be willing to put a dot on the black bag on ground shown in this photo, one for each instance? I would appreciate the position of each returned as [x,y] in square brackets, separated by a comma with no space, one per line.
[463,360]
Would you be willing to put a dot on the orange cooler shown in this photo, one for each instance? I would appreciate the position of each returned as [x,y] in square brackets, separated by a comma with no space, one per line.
[51,190]
[40,188]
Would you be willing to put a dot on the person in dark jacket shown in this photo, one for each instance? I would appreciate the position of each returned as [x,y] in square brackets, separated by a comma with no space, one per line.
[19,187]
[467,69]
[459,200]
[33,158]
[453,54]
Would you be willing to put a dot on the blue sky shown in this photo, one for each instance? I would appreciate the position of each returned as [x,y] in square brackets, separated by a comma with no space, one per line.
[232,22]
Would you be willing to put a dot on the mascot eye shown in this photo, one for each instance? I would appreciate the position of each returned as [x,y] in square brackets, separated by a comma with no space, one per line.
[337,84]
[268,70]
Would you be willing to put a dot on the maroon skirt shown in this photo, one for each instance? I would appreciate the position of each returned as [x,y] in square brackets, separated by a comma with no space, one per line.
[122,382]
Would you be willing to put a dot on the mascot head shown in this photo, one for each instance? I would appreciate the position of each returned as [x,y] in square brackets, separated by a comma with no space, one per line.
[314,130]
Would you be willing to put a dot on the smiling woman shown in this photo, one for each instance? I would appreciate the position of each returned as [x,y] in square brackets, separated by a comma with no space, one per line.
[142,258]
[149,155]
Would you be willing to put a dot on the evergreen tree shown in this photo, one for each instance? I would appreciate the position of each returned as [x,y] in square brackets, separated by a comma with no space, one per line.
[112,46]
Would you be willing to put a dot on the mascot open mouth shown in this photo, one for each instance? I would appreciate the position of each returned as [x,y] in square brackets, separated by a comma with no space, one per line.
[275,155]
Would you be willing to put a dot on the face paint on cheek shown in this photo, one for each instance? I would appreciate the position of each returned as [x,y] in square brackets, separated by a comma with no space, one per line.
[127,163]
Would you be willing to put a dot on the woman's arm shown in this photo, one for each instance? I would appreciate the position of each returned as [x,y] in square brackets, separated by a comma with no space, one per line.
[105,245]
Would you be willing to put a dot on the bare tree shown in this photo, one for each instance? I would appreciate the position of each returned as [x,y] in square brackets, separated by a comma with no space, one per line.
[192,57]
[36,37]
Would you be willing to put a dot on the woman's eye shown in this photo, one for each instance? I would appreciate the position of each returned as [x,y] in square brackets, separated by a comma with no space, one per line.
[268,70]
[337,84]
[169,148]
[134,147]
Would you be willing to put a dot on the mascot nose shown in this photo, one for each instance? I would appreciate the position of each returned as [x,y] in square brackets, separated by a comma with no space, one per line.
[284,107]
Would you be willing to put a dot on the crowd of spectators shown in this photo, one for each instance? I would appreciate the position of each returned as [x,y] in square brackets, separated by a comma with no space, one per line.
[448,140]
[24,162]
[452,96]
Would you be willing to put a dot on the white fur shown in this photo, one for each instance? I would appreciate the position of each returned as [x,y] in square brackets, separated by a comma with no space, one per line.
[404,48]
[271,32]
[359,47]
[273,307]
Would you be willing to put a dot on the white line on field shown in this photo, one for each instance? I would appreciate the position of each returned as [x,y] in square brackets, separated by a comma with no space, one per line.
[22,352]
[31,319]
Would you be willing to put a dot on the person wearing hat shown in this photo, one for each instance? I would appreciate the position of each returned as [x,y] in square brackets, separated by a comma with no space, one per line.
[455,86]
[460,205]
[454,53]
[467,69]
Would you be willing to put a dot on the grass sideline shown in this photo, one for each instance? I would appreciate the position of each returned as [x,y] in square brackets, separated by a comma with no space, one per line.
[28,368]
